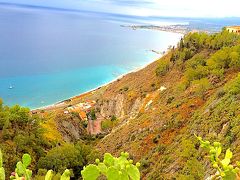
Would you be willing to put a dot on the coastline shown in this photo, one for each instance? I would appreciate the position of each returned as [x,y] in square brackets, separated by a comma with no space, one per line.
[62,104]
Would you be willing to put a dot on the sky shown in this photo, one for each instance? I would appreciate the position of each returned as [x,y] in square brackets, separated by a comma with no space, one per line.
[175,8]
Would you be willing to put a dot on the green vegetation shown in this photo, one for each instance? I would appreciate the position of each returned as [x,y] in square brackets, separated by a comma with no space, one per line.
[67,156]
[225,170]
[201,56]
[22,133]
[163,68]
[23,173]
[202,97]
[2,170]
[112,168]
[108,124]
[92,114]
[234,86]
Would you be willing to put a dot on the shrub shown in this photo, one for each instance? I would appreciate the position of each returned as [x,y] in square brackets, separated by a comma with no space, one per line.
[197,73]
[192,170]
[195,61]
[162,68]
[235,59]
[61,158]
[161,148]
[126,88]
[170,99]
[202,86]
[220,93]
[156,139]
[233,87]
[92,115]
[107,124]
[113,118]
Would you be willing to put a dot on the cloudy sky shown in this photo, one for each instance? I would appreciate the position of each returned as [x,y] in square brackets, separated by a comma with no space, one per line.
[181,8]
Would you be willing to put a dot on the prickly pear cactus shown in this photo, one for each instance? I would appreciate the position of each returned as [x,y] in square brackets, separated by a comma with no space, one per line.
[225,170]
[66,175]
[49,175]
[21,171]
[2,171]
[112,168]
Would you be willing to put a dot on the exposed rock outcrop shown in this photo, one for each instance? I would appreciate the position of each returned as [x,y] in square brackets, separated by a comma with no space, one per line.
[70,128]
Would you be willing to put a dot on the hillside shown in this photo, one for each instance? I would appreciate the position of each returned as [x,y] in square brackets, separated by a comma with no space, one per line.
[153,114]
[194,89]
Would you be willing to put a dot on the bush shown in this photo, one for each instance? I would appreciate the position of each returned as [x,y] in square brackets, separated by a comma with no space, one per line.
[113,118]
[220,93]
[233,87]
[60,158]
[68,156]
[170,99]
[197,73]
[202,86]
[161,148]
[106,124]
[126,88]
[162,68]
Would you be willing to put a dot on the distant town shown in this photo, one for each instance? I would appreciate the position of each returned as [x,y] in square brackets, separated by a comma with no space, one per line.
[178,28]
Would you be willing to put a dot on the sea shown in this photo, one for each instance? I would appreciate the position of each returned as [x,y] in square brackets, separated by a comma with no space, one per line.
[49,55]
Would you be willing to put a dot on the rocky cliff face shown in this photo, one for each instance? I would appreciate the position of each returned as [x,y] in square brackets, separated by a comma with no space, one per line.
[119,106]
[70,127]
[113,106]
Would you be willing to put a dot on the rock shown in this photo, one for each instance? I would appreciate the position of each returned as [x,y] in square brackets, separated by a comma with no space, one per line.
[135,108]
[113,107]
[70,129]
[117,107]
[162,88]
[224,130]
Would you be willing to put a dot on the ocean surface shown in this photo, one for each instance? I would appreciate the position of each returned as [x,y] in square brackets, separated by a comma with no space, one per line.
[48,55]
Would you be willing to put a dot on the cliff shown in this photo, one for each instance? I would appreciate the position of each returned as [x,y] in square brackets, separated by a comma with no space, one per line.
[161,107]
[155,112]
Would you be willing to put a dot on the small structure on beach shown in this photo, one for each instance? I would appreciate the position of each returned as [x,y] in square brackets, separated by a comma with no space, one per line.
[83,115]
[82,108]
[233,29]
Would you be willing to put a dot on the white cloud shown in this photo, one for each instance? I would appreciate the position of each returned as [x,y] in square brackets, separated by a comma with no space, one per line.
[183,8]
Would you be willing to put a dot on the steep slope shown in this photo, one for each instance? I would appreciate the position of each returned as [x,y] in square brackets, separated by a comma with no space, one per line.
[154,113]
[160,108]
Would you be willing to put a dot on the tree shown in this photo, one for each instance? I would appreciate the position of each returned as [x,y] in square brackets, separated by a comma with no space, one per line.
[162,68]
[235,60]
[233,87]
[202,86]
[60,158]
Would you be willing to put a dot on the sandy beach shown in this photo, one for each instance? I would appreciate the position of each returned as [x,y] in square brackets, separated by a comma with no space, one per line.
[62,103]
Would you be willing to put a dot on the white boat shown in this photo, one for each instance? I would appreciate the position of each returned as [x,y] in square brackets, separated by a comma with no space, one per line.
[10,87]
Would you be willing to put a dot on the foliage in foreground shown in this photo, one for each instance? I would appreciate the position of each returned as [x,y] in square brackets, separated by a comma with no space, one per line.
[23,173]
[112,168]
[122,168]
[225,170]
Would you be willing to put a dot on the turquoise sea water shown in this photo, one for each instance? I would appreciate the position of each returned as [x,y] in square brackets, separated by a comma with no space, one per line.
[48,56]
